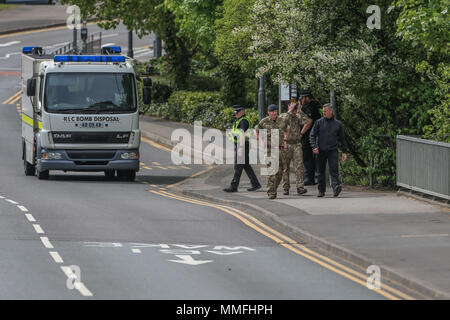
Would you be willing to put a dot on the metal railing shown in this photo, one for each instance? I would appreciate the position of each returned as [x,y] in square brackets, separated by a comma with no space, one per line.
[93,46]
[424,166]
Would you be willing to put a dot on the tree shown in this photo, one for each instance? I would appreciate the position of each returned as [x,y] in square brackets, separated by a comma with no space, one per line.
[326,44]
[144,16]
[233,40]
[425,25]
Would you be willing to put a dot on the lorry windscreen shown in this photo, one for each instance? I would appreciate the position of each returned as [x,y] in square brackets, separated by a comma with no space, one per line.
[77,92]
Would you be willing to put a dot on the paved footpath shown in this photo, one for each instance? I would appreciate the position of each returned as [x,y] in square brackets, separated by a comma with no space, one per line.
[29,17]
[408,239]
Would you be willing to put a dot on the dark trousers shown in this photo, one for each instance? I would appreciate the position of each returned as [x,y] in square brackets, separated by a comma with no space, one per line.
[332,157]
[309,162]
[238,168]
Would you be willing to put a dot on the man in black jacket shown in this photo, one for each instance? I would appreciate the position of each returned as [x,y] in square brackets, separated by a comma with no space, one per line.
[326,137]
[311,108]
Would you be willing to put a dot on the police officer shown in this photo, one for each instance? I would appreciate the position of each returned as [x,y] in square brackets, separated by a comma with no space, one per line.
[326,137]
[311,108]
[273,122]
[298,123]
[240,136]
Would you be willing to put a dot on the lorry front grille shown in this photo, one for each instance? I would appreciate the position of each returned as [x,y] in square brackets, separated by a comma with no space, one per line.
[91,163]
[91,137]
[91,154]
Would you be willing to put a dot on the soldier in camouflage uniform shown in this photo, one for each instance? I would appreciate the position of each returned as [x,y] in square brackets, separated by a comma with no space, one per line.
[269,123]
[298,124]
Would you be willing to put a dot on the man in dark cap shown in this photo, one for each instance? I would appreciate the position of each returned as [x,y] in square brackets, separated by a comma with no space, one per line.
[326,137]
[311,108]
[274,122]
[240,135]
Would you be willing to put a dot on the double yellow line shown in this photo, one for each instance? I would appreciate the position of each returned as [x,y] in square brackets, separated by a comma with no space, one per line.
[358,277]
[14,98]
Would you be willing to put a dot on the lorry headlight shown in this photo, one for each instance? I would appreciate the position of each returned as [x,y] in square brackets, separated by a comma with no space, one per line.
[52,156]
[130,155]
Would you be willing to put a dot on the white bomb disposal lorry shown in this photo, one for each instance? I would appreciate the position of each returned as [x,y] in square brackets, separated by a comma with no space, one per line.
[80,113]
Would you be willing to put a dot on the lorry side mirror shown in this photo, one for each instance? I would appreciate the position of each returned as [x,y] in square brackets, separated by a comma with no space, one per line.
[147,91]
[31,87]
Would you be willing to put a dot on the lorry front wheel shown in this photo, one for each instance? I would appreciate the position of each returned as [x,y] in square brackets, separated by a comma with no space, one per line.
[28,168]
[126,175]
[43,175]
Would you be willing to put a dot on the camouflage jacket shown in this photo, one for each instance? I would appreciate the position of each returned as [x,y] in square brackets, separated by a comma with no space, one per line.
[295,124]
[269,124]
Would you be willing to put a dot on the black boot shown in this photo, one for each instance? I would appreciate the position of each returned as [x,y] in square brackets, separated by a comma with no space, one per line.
[254,188]
[230,189]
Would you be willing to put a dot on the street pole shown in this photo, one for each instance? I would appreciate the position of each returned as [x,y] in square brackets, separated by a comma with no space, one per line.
[157,47]
[74,37]
[130,44]
[261,97]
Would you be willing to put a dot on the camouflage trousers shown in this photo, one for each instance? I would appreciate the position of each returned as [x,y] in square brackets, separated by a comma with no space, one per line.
[293,153]
[273,181]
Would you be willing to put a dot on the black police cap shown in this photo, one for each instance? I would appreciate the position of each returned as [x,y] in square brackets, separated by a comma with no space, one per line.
[304,93]
[238,107]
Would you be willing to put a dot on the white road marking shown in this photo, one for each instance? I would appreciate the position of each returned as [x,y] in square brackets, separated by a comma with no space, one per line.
[224,253]
[8,55]
[11,201]
[22,208]
[30,217]
[108,44]
[9,44]
[136,250]
[78,285]
[38,228]
[2,197]
[55,255]
[424,235]
[46,243]
[110,35]
[185,259]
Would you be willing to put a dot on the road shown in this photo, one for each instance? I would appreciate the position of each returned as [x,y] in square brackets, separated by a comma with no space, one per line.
[133,240]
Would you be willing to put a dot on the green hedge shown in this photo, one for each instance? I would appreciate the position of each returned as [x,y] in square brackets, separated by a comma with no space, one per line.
[207,107]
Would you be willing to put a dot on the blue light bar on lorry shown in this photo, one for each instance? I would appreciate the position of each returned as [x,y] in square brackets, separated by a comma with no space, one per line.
[111,49]
[89,59]
[28,50]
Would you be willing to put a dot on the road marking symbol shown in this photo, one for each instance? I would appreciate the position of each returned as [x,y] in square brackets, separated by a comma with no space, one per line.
[187,259]
[293,246]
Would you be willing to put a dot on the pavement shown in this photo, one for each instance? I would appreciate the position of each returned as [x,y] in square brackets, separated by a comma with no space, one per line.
[30,17]
[407,238]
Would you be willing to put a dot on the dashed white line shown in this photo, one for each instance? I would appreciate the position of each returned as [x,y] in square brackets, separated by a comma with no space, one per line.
[424,235]
[55,255]
[46,243]
[2,197]
[11,201]
[30,217]
[22,208]
[38,228]
[136,250]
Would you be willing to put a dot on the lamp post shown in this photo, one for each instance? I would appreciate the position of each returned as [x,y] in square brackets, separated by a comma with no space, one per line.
[130,44]
[261,97]
[157,47]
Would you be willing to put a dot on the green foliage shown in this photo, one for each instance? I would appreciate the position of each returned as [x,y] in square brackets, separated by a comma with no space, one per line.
[425,23]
